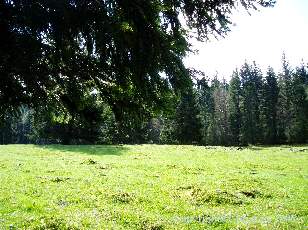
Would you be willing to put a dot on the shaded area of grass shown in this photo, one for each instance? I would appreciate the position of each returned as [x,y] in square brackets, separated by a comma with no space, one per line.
[87,149]
[153,187]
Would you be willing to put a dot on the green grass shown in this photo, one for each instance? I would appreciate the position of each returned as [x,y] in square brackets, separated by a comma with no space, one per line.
[153,187]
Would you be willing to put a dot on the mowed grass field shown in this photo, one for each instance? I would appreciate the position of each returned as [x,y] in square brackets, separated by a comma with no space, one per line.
[153,187]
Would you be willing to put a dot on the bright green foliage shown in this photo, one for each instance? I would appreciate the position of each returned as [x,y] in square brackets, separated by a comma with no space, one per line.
[153,187]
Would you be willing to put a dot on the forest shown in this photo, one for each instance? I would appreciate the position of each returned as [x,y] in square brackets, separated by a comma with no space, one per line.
[108,72]
[252,108]
[77,72]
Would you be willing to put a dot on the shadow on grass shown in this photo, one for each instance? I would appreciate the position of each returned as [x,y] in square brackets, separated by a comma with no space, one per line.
[262,147]
[99,150]
[255,148]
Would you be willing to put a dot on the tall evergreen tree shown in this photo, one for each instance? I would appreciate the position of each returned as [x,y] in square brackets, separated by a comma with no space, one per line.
[206,105]
[219,131]
[285,112]
[251,80]
[212,132]
[188,124]
[234,108]
[269,107]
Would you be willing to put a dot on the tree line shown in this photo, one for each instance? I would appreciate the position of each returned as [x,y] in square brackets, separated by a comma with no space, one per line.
[252,108]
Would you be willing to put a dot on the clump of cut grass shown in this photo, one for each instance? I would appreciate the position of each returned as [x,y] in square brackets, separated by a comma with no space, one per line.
[103,167]
[123,197]
[216,197]
[89,161]
[214,221]
[48,223]
[59,179]
[150,225]
[200,196]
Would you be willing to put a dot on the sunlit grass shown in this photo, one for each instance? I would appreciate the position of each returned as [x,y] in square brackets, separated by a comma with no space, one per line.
[153,187]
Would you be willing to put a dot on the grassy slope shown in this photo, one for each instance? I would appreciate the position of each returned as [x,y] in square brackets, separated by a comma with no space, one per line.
[153,187]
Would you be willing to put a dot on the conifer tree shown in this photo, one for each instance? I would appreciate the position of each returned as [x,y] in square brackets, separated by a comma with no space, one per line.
[187,119]
[220,125]
[284,112]
[269,107]
[234,108]
[206,105]
[251,78]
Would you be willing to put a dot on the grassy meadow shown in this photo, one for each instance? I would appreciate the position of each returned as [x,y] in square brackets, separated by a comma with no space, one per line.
[153,187]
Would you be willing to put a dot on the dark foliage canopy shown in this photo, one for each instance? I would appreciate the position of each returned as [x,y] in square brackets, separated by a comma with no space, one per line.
[129,51]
